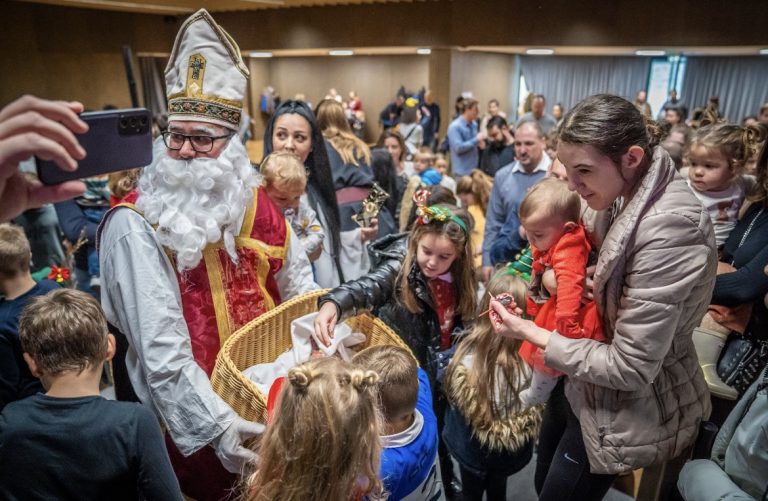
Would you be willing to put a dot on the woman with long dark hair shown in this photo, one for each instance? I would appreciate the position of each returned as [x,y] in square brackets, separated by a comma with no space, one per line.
[293,127]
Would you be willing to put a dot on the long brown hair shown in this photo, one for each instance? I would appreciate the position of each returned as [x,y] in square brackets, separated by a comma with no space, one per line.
[324,439]
[492,353]
[333,122]
[478,184]
[462,267]
[611,125]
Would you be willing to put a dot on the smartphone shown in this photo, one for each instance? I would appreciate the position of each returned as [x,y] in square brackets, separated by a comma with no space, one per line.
[116,140]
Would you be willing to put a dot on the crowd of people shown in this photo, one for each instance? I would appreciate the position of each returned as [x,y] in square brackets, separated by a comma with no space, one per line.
[588,288]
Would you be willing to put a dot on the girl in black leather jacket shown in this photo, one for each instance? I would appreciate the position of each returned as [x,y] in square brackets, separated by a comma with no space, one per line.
[423,287]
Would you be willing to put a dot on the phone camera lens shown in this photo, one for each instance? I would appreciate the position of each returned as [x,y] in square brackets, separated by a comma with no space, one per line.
[133,122]
[123,123]
[143,121]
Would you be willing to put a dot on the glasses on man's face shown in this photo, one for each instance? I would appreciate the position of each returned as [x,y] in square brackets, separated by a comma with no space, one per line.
[201,144]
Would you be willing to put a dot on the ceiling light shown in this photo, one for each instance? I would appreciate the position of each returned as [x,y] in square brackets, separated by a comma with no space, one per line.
[539,52]
[764,52]
[650,53]
[341,52]
[260,54]
[423,52]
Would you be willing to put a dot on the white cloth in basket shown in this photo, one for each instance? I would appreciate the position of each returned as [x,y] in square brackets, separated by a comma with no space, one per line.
[302,330]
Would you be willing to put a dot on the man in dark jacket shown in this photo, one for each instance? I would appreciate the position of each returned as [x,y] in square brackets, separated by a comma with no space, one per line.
[500,146]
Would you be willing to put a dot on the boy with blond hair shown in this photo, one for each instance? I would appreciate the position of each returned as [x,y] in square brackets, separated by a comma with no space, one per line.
[16,289]
[285,182]
[71,443]
[410,470]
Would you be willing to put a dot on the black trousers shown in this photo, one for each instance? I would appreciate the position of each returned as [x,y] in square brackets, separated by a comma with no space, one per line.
[494,485]
[562,467]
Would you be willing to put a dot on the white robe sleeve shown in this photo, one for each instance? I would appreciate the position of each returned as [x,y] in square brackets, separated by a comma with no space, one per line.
[295,277]
[140,296]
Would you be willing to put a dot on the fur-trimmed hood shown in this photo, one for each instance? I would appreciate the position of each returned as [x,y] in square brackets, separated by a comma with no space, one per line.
[508,433]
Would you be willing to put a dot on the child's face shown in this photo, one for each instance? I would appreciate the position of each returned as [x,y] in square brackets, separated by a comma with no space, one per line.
[709,169]
[284,197]
[435,254]
[442,166]
[467,199]
[422,163]
[544,230]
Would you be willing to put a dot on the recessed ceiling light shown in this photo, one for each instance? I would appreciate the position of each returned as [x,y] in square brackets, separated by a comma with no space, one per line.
[539,52]
[423,52]
[764,52]
[650,53]
[341,52]
[260,54]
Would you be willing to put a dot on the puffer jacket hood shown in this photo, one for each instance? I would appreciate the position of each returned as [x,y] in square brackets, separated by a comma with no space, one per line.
[641,396]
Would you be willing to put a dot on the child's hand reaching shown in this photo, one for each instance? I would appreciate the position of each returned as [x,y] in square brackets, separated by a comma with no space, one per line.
[325,322]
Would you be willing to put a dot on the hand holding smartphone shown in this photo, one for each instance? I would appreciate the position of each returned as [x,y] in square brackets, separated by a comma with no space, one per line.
[116,140]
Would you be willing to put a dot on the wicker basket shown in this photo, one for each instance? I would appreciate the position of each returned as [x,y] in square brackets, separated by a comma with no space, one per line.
[266,338]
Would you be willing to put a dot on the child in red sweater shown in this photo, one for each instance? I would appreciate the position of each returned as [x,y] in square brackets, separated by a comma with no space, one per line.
[550,215]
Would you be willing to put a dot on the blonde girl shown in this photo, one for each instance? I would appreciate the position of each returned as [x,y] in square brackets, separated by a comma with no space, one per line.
[716,159]
[474,191]
[333,122]
[324,441]
[487,429]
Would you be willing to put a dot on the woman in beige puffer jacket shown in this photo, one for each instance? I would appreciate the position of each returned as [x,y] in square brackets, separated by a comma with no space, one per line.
[638,398]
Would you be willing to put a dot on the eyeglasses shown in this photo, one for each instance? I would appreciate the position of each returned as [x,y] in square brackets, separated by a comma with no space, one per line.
[201,144]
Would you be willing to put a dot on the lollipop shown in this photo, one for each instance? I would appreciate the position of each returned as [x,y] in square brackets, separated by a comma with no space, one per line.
[507,300]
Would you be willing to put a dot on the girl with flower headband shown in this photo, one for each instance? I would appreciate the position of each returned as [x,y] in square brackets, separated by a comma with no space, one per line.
[423,288]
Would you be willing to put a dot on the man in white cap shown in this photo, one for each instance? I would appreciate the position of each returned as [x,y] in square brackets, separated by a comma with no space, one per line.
[197,252]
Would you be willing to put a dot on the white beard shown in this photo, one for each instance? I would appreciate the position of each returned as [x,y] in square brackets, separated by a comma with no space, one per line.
[197,202]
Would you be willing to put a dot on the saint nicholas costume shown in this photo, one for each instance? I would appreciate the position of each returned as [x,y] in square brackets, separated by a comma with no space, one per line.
[176,321]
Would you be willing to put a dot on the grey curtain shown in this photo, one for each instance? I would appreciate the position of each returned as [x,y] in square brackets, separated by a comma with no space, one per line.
[569,79]
[153,84]
[741,82]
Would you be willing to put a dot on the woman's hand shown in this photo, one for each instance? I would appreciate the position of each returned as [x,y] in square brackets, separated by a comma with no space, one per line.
[511,325]
[325,322]
[549,281]
[589,283]
[370,232]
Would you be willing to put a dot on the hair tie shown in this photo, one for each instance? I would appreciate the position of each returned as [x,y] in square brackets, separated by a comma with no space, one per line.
[364,380]
[300,377]
[435,212]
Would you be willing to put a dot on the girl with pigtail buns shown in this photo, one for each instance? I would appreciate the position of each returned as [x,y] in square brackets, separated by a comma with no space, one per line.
[324,443]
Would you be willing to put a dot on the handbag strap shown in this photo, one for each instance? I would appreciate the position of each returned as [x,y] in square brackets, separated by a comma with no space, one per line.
[748,231]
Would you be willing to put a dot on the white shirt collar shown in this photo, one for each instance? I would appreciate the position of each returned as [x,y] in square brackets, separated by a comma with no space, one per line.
[543,165]
[406,436]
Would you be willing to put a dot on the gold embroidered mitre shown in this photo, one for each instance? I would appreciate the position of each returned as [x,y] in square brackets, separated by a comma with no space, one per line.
[206,77]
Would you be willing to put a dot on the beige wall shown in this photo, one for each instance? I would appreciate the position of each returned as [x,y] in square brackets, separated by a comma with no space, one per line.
[72,53]
[374,78]
[487,76]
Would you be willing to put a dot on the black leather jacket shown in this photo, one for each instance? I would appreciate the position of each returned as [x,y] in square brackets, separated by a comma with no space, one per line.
[376,292]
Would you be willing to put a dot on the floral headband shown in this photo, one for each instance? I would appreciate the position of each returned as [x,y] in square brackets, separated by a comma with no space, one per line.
[426,214]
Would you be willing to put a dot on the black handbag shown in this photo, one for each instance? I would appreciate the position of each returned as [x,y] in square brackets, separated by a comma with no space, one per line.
[741,361]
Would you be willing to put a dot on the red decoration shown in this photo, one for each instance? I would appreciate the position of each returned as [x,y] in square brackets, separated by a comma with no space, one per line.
[60,275]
